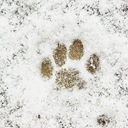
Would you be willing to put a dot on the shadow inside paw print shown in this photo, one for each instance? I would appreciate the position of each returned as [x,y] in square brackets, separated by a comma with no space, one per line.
[68,77]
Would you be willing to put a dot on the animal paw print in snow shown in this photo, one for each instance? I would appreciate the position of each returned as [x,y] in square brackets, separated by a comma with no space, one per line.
[69,77]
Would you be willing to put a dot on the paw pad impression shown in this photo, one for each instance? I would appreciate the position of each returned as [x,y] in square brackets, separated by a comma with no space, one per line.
[47,68]
[93,63]
[60,54]
[68,78]
[76,50]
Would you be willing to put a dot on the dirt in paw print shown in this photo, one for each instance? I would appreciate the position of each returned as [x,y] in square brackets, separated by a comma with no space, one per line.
[93,63]
[68,77]
[76,50]
[60,54]
[47,68]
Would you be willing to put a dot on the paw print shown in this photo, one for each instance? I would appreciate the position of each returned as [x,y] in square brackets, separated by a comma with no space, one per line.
[69,77]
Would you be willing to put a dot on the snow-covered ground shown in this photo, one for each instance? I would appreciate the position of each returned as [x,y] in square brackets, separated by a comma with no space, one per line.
[29,32]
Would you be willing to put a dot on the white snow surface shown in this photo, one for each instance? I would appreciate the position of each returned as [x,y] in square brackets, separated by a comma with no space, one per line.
[29,32]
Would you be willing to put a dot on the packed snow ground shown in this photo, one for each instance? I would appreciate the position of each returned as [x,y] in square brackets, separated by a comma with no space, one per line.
[29,32]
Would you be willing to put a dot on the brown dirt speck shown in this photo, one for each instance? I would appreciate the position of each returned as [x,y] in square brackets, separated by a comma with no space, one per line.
[103,120]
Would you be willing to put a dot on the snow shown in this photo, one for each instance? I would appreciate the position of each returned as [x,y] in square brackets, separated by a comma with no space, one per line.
[31,34]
